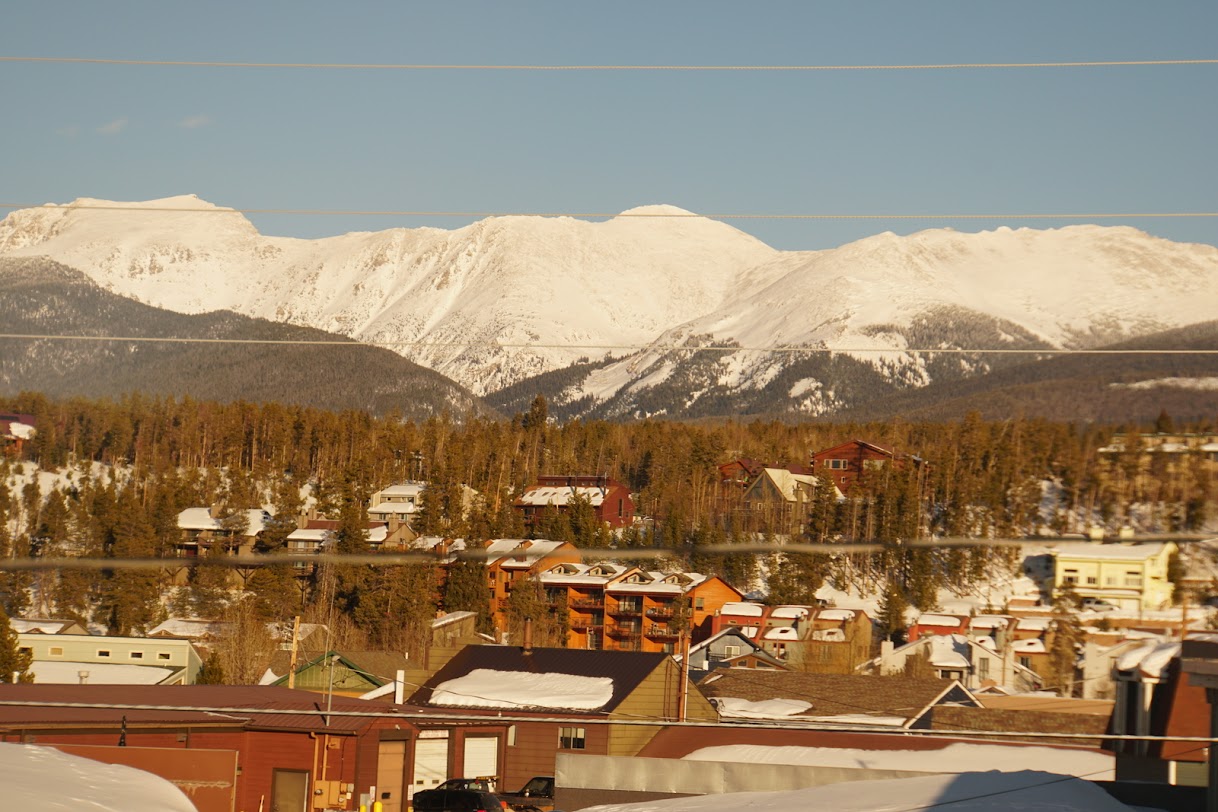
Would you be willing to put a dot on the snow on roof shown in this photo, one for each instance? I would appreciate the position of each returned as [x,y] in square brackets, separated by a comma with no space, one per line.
[487,688]
[790,611]
[1116,552]
[36,777]
[835,614]
[781,633]
[451,617]
[191,628]
[200,518]
[764,709]
[988,622]
[528,557]
[563,495]
[748,631]
[1033,646]
[402,489]
[1034,623]
[21,431]
[742,609]
[28,625]
[937,620]
[953,758]
[57,672]
[1150,659]
[309,534]
[949,651]
[388,508]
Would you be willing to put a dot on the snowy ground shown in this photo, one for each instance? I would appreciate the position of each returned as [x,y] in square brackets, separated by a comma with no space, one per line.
[968,792]
[44,779]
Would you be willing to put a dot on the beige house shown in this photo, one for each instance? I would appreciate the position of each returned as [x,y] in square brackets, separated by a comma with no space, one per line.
[1131,577]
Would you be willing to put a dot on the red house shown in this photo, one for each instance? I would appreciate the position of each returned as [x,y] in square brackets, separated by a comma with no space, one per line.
[608,497]
[850,462]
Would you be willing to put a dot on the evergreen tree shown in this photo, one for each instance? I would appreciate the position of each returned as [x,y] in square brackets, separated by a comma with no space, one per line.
[1068,635]
[212,671]
[131,597]
[528,601]
[890,614]
[15,664]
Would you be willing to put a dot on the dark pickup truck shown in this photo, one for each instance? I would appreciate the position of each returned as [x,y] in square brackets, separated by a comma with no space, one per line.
[537,793]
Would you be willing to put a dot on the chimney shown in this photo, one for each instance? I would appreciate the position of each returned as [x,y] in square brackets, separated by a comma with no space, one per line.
[83,675]
[527,644]
[886,649]
[399,687]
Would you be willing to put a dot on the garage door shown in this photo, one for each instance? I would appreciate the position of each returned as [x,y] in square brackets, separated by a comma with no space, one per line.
[481,756]
[430,764]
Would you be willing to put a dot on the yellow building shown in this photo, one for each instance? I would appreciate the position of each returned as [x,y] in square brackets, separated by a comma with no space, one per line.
[1131,577]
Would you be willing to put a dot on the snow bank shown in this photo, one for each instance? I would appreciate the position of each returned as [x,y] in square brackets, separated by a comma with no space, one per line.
[45,779]
[967,792]
[955,758]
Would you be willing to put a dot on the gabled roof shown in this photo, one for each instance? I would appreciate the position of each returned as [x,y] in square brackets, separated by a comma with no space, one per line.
[626,669]
[378,667]
[849,695]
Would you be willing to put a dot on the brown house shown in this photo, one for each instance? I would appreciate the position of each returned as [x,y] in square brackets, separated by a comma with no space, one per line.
[577,698]
[16,429]
[850,463]
[609,498]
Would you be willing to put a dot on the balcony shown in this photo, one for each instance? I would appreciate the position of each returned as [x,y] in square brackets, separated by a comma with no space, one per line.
[661,612]
[588,603]
[662,633]
[626,610]
[624,632]
[585,625]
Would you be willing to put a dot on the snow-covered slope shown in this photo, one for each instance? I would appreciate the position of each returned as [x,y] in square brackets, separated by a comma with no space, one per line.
[507,298]
[464,294]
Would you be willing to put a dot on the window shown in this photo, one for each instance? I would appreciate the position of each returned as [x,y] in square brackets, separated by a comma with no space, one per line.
[1026,662]
[136,655]
[570,738]
[163,655]
[983,668]
[839,465]
[1091,580]
[699,603]
[26,650]
[731,651]
[102,652]
[1070,577]
[56,651]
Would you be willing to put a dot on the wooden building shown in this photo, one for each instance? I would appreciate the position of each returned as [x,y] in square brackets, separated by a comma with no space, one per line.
[610,499]
[575,697]
[850,463]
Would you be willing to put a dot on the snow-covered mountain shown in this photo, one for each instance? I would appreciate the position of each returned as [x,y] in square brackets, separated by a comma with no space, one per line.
[508,298]
[449,300]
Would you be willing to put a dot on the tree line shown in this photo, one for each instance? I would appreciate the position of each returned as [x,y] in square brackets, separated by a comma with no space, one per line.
[131,465]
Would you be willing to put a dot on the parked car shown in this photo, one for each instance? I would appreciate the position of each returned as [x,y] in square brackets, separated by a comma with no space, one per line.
[456,800]
[536,794]
[1098,605]
[480,784]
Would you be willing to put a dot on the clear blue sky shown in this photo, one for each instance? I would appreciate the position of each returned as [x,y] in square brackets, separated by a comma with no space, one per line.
[1110,139]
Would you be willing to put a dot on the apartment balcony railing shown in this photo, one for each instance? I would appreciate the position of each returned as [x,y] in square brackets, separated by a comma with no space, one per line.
[660,612]
[629,610]
[588,603]
[662,633]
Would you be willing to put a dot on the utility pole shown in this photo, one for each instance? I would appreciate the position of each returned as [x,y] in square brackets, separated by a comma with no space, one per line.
[292,659]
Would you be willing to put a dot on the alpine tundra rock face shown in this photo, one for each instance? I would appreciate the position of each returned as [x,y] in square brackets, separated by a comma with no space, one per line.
[722,316]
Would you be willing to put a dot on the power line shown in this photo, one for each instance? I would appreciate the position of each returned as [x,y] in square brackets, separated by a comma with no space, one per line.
[585,554]
[536,345]
[612,215]
[182,63]
[522,715]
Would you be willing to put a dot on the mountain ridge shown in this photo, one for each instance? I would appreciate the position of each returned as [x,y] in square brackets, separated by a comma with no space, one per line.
[505,299]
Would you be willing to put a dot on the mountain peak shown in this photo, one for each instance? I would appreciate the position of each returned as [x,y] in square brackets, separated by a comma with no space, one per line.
[658,210]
